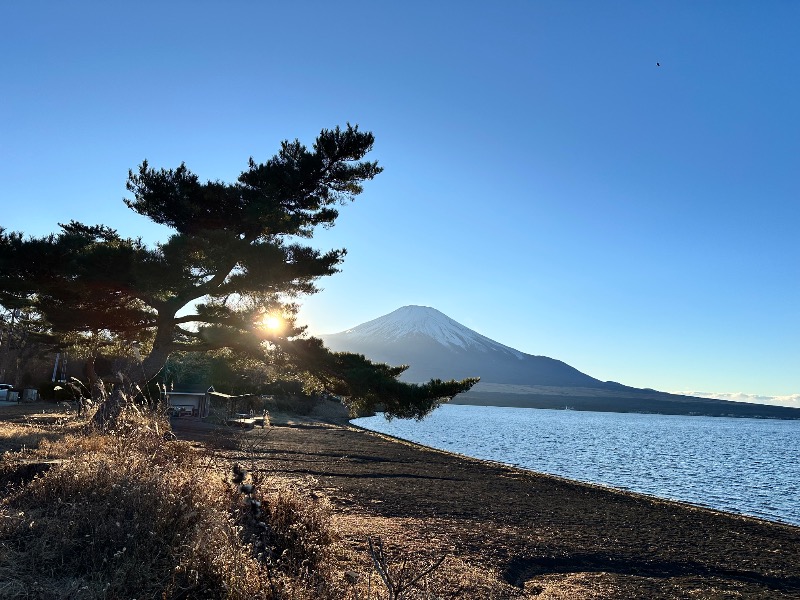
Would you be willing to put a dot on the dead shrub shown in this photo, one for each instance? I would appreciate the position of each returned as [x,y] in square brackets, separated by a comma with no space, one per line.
[291,535]
[403,577]
[301,534]
[130,515]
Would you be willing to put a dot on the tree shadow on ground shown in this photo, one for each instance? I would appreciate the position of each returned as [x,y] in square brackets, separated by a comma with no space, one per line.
[523,569]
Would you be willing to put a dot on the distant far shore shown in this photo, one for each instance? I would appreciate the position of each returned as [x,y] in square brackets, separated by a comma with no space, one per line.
[617,398]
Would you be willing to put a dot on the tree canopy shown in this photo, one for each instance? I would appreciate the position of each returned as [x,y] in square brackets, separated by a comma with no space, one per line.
[234,264]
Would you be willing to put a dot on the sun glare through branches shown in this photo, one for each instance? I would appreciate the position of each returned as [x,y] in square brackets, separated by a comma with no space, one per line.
[271,323]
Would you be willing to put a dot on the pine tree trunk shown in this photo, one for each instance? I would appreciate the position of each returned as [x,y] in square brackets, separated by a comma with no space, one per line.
[91,377]
[107,415]
[155,361]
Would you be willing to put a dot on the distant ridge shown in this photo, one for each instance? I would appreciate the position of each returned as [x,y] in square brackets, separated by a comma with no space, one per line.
[438,347]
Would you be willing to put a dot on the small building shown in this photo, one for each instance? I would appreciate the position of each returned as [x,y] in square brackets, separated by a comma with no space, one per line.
[244,410]
[189,400]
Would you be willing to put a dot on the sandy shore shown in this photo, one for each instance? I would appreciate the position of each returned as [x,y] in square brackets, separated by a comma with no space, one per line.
[541,536]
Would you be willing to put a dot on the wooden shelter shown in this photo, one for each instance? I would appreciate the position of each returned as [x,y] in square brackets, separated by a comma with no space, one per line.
[190,400]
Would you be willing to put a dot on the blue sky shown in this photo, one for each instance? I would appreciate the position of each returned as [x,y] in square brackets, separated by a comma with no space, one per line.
[545,183]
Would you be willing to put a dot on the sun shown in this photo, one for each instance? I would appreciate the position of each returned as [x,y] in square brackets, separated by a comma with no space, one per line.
[272,323]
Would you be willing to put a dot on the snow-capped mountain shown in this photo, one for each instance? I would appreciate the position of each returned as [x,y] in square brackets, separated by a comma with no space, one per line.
[436,346]
[410,321]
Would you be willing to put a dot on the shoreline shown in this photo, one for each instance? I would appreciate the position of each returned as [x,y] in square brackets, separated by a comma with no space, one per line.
[592,484]
[338,420]
[539,533]
[735,466]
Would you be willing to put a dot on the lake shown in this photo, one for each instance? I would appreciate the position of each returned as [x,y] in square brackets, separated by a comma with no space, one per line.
[747,466]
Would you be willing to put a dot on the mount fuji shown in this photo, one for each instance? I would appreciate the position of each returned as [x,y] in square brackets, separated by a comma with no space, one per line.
[437,347]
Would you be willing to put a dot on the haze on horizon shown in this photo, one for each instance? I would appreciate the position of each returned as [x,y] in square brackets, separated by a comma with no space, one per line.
[546,183]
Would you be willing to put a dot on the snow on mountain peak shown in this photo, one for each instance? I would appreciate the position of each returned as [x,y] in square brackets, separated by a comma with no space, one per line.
[424,320]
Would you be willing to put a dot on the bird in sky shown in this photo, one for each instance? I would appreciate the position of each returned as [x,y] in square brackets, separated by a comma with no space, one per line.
[658,64]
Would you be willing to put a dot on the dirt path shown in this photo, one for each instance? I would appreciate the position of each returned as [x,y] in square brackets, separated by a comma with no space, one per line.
[538,533]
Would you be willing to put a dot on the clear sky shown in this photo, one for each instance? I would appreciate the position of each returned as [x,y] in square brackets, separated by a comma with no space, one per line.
[546,183]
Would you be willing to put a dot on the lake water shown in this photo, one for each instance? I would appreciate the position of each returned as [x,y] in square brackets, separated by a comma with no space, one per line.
[747,466]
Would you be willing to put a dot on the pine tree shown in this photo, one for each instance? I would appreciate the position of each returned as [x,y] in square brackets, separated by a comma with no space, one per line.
[234,258]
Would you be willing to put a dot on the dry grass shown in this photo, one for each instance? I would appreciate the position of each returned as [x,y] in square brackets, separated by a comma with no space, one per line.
[127,515]
[413,545]
[134,514]
[137,514]
[22,437]
[27,430]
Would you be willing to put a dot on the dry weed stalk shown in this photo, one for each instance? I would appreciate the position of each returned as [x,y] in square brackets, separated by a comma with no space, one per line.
[399,580]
